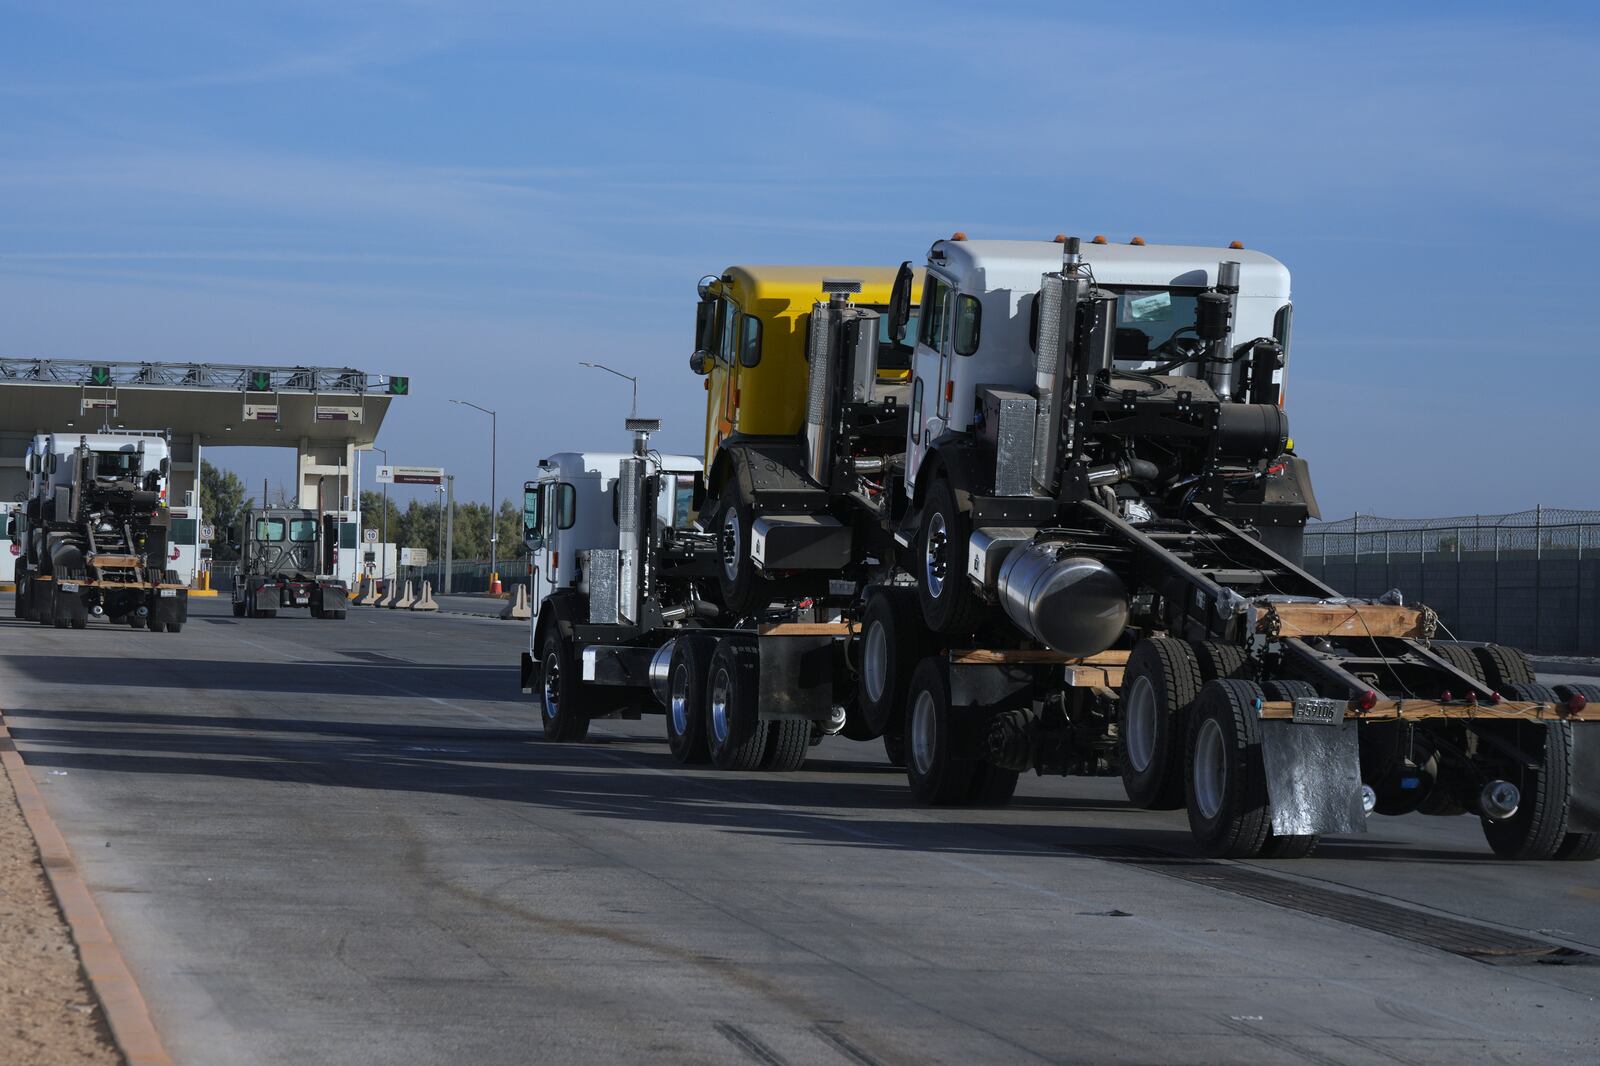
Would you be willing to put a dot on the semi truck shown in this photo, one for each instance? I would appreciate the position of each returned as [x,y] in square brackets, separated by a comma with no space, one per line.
[288,560]
[92,539]
[1083,557]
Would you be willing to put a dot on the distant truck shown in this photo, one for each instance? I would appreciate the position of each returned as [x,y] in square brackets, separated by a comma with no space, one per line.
[92,538]
[288,559]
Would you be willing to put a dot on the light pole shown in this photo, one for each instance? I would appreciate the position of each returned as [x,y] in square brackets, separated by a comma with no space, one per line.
[494,504]
[633,409]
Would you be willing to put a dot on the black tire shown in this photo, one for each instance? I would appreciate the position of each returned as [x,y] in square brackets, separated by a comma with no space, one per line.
[337,616]
[686,698]
[1218,661]
[950,605]
[1587,691]
[992,786]
[1161,681]
[939,765]
[318,612]
[238,610]
[740,586]
[1579,847]
[736,738]
[156,627]
[1503,667]
[174,627]
[1288,847]
[1225,784]
[136,622]
[788,742]
[1460,658]
[562,704]
[1538,829]
[893,640]
[270,613]
[894,745]
[80,623]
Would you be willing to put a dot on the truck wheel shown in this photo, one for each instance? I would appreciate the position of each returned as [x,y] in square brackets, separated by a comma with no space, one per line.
[563,711]
[736,738]
[1218,660]
[892,641]
[1503,667]
[894,744]
[949,603]
[1460,658]
[238,610]
[1226,785]
[174,627]
[1161,681]
[686,699]
[992,786]
[790,740]
[737,580]
[1538,829]
[1288,847]
[941,774]
[157,627]
[80,623]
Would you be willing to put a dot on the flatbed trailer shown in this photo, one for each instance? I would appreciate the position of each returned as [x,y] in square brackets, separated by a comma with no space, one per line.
[65,600]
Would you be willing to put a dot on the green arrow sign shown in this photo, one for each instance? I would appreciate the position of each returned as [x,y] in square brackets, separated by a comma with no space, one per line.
[260,381]
[399,386]
[99,375]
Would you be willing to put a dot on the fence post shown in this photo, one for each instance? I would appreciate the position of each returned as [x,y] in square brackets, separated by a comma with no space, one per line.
[1355,555]
[1538,570]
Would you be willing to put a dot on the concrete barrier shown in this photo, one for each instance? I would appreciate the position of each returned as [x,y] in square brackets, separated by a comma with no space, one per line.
[425,601]
[517,605]
[407,598]
[370,596]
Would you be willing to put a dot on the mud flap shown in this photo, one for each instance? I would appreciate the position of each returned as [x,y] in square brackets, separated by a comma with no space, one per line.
[1313,777]
[66,602]
[168,606]
[796,678]
[527,667]
[1583,815]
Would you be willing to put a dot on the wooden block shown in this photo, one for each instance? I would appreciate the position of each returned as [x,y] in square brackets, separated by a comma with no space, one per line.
[1421,710]
[808,629]
[972,656]
[1344,620]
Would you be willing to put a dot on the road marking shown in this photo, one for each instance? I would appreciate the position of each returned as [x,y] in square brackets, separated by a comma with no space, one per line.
[108,973]
[747,1043]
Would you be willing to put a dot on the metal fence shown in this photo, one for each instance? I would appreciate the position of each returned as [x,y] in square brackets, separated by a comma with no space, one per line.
[1531,579]
[465,575]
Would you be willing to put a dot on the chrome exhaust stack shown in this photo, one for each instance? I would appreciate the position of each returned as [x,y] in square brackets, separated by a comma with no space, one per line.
[633,519]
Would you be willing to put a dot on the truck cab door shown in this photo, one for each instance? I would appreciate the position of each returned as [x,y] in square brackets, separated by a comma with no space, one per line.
[929,370]
[537,500]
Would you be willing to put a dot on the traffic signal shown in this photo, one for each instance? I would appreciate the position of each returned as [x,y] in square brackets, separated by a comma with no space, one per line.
[99,375]
[260,381]
[399,386]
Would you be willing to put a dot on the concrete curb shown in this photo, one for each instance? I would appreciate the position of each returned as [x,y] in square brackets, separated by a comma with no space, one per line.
[103,965]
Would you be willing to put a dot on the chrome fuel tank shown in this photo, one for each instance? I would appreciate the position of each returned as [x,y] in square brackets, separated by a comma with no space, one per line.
[1071,603]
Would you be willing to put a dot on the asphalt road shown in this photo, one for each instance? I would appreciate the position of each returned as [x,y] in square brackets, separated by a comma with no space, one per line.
[341,842]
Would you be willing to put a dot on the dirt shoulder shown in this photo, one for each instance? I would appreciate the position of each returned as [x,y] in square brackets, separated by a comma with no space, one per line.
[48,1016]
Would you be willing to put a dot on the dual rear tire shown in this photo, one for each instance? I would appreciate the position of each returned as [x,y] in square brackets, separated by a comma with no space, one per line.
[713,709]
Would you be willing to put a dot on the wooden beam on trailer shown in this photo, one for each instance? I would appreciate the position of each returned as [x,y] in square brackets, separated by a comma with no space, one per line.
[1341,620]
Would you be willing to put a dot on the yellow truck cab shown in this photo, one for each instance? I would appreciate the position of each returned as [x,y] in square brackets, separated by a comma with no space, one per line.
[751,345]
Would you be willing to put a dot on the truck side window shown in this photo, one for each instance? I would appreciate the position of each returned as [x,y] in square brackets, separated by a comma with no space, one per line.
[566,506]
[303,530]
[969,319]
[934,317]
[750,341]
[729,335]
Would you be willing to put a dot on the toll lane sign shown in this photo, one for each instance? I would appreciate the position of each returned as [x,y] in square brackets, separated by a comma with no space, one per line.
[410,475]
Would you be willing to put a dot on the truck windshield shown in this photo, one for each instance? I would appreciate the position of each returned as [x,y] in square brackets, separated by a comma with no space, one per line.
[1147,319]
[302,530]
[116,464]
[269,529]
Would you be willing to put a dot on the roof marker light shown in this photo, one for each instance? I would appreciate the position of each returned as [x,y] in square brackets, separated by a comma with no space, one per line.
[1138,241]
[1060,238]
[1099,238]
[958,235]
[1235,244]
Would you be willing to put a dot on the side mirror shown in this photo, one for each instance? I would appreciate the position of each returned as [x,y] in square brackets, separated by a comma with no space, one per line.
[530,517]
[705,325]
[701,362]
[900,303]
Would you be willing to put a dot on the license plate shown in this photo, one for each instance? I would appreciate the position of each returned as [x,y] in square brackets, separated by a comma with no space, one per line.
[69,586]
[1318,710]
[302,600]
[169,593]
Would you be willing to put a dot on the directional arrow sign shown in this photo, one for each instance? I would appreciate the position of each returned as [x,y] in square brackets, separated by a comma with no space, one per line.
[399,386]
[260,381]
[99,375]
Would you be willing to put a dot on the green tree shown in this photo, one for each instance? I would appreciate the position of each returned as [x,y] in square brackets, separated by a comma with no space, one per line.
[222,500]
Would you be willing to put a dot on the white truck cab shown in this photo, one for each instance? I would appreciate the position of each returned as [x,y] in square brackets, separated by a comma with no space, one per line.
[978,325]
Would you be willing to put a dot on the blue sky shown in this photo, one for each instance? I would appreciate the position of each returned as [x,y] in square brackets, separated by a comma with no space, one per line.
[482,194]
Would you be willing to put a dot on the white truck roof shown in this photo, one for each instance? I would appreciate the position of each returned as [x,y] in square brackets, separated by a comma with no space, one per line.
[1018,265]
[607,464]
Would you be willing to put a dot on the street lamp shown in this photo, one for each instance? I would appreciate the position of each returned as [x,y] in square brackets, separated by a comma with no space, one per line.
[494,504]
[634,410]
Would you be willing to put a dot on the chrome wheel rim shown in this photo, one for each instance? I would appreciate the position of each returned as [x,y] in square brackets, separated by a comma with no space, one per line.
[934,552]
[721,690]
[552,687]
[875,662]
[731,537]
[1139,723]
[924,732]
[1210,768]
[679,701]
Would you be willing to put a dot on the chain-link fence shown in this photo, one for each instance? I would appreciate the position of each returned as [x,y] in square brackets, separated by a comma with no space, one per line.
[1531,579]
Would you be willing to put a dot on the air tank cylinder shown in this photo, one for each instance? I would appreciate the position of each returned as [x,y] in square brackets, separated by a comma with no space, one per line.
[1069,603]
